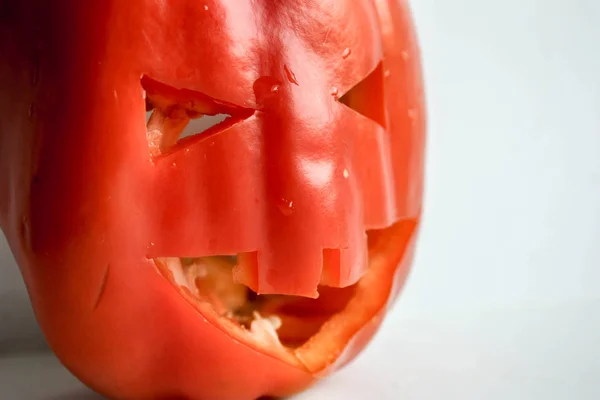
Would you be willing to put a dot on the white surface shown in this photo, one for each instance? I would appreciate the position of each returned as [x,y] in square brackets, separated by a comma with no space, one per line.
[504,299]
[512,212]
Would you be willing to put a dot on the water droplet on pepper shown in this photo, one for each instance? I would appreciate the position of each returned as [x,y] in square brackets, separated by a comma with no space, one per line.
[35,72]
[286,206]
[290,75]
[266,89]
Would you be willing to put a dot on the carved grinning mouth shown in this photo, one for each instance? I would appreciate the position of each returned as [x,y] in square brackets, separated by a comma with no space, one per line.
[308,333]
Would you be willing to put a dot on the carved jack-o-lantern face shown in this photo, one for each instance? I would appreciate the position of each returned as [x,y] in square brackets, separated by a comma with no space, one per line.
[234,261]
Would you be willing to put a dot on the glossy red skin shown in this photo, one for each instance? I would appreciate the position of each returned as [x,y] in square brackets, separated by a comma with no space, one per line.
[84,206]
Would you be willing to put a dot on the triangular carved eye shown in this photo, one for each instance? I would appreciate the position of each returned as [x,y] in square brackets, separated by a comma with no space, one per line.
[173,114]
[367,97]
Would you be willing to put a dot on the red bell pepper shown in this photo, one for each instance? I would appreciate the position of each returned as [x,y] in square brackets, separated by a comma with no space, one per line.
[248,259]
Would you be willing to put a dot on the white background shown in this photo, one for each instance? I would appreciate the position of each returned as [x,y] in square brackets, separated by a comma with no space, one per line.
[504,298]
